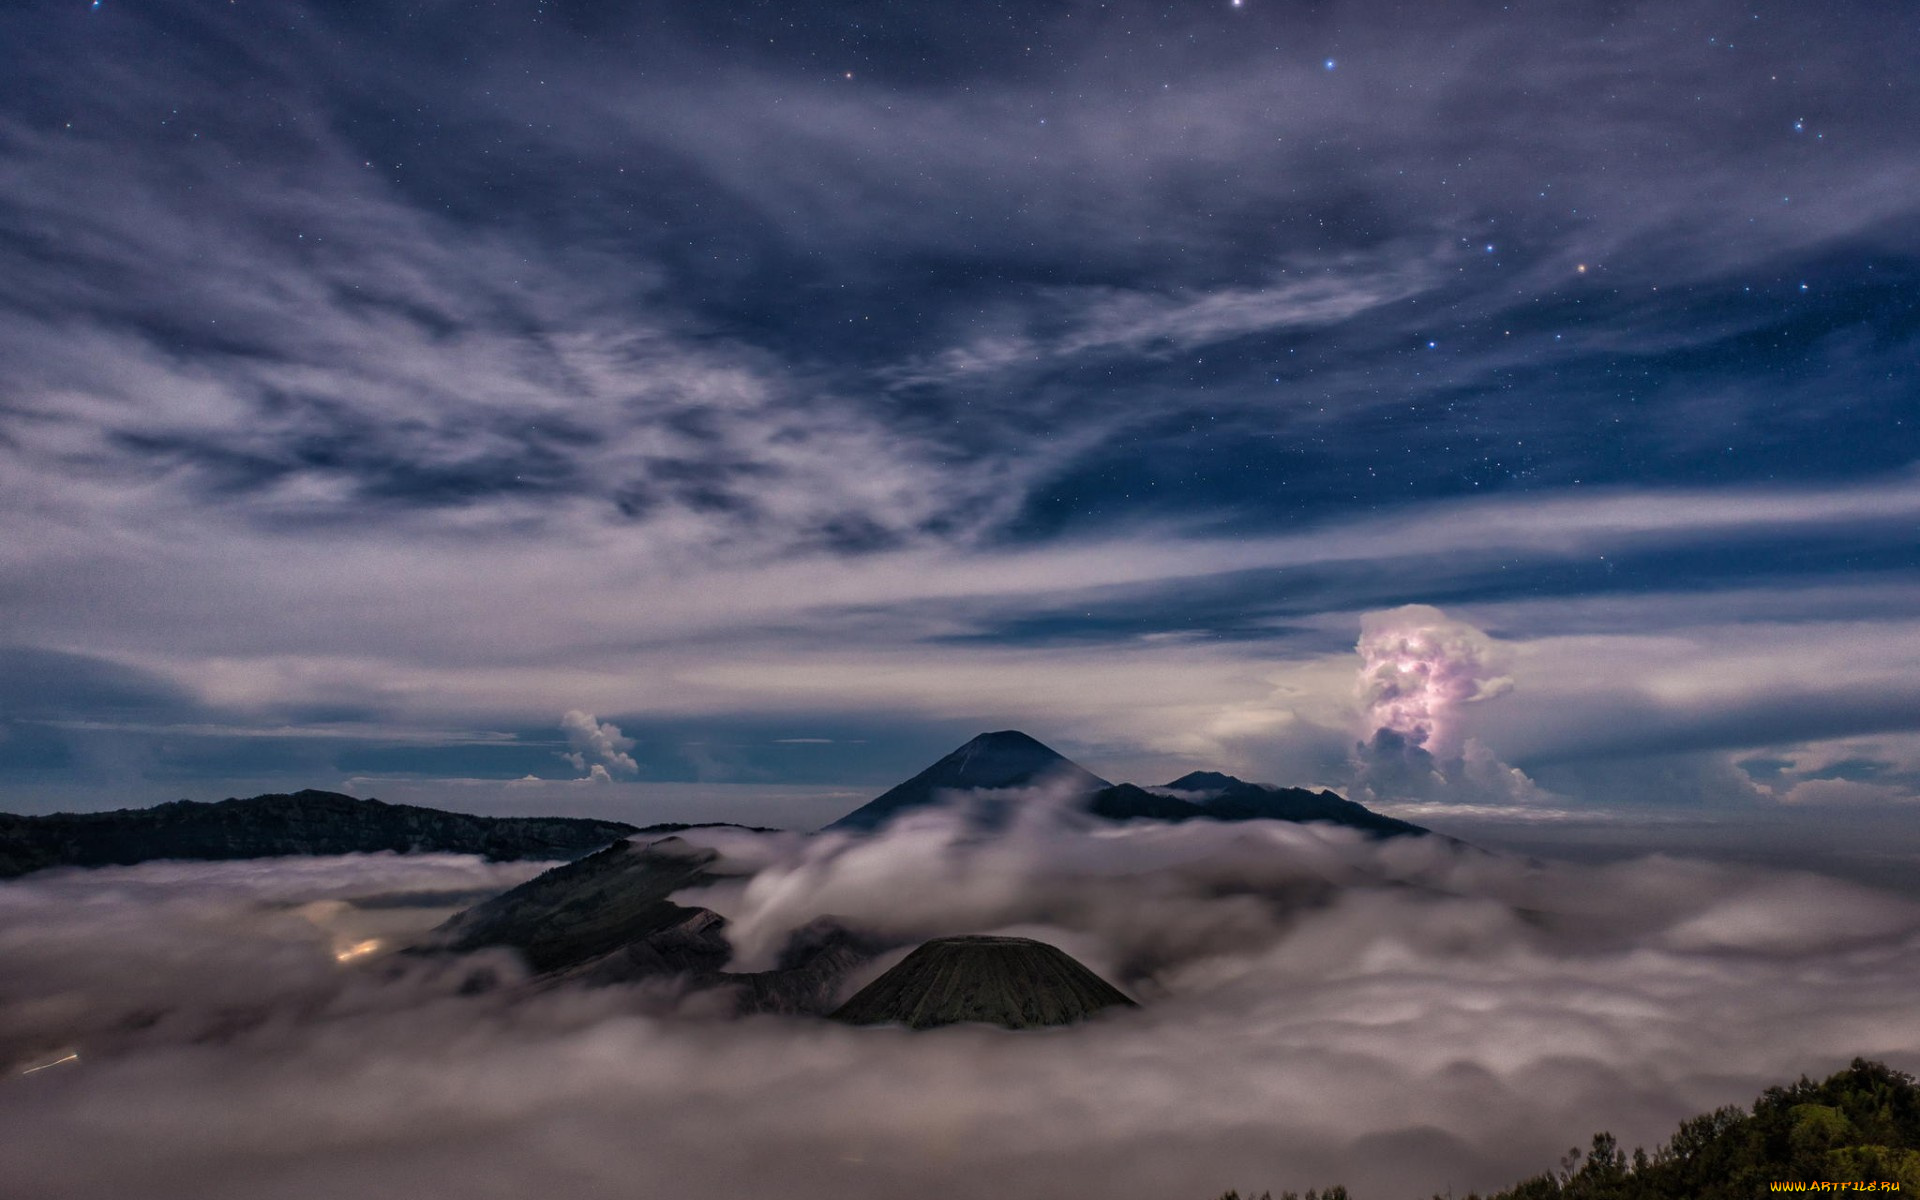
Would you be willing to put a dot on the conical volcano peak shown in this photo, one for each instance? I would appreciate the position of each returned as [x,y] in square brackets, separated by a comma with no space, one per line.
[1007,737]
[1004,759]
[1010,981]
[1007,758]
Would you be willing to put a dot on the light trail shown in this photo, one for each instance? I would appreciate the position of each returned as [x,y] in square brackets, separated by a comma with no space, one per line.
[74,1057]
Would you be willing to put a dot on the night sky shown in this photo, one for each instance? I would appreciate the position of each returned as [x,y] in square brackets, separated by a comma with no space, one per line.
[727,407]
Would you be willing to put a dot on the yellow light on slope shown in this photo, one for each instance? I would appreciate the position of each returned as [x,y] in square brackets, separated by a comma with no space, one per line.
[357,950]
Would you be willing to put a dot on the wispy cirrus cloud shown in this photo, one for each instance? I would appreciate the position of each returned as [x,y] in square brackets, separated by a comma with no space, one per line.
[1142,347]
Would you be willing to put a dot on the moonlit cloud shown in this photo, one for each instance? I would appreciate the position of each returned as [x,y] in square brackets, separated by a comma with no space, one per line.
[1095,371]
[1401,1017]
[598,748]
[1417,668]
[785,397]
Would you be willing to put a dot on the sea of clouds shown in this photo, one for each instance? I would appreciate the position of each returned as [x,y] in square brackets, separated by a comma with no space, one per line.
[1401,1016]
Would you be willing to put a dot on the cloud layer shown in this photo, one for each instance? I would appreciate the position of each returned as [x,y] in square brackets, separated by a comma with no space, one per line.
[1401,1016]
[1094,370]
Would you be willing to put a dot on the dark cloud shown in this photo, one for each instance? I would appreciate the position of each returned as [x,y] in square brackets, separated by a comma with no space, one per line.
[1808,715]
[1206,219]
[415,363]
[36,683]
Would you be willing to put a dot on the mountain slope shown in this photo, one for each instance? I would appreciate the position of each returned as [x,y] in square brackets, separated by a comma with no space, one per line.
[1005,759]
[1129,802]
[607,919]
[1015,982]
[1205,781]
[1010,759]
[1257,802]
[306,822]
[587,908]
[1228,799]
[1858,1126]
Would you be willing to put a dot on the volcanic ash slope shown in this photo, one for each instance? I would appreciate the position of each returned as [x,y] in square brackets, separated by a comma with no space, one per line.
[1015,982]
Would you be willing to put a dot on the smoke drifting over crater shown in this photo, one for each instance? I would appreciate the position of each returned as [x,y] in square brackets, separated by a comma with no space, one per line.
[1401,1016]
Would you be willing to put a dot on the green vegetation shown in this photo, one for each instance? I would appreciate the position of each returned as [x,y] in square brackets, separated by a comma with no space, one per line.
[1862,1125]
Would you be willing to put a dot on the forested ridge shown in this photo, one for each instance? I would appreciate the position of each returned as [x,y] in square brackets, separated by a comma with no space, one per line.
[1860,1125]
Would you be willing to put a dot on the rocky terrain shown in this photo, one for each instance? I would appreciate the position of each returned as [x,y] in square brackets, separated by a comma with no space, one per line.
[607,919]
[1013,982]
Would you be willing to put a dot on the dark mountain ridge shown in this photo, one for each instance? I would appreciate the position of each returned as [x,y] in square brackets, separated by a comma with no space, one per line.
[1009,759]
[304,822]
[314,822]
[1204,781]
[607,919]
[1228,799]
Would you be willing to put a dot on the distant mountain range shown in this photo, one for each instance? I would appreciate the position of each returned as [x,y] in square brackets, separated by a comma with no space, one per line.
[316,822]
[1010,759]
[1238,800]
[608,918]
[306,822]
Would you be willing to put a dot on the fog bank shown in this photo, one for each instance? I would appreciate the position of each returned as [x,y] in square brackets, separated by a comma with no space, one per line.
[1401,1017]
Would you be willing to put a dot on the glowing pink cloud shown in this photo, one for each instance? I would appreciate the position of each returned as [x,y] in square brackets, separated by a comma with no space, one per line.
[1417,667]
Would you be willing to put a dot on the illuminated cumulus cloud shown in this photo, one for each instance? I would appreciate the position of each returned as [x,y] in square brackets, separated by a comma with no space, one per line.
[1419,669]
[598,748]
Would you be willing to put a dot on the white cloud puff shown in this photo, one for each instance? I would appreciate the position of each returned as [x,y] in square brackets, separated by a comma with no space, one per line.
[1418,666]
[1418,669]
[599,748]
